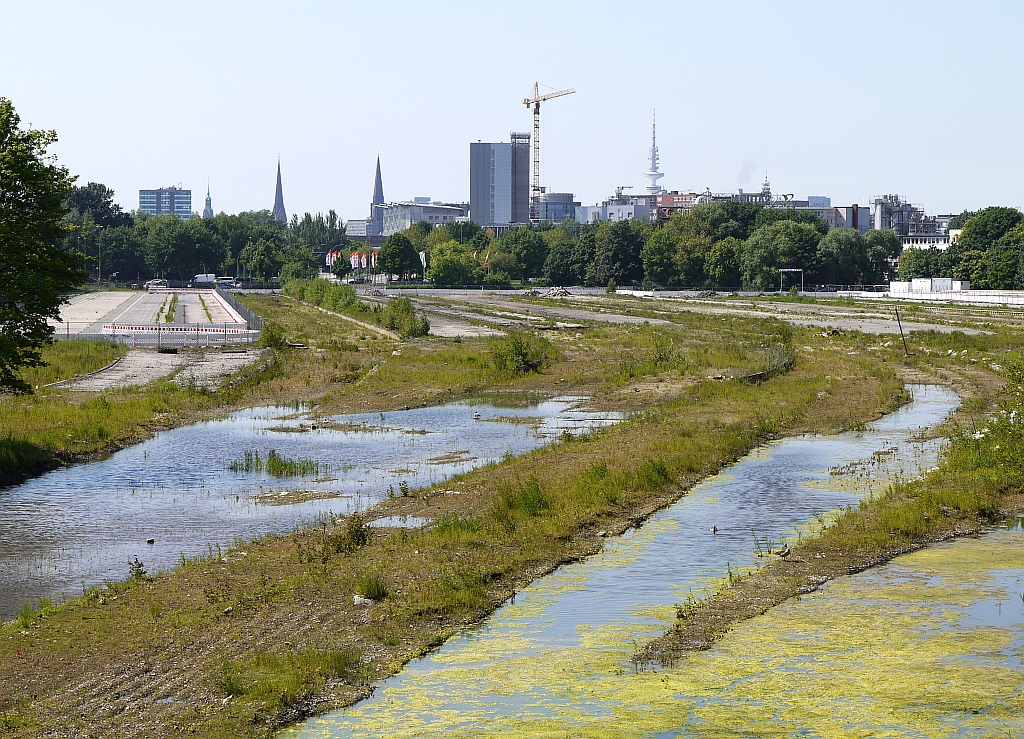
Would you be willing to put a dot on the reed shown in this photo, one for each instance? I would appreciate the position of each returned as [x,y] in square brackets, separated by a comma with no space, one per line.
[276,465]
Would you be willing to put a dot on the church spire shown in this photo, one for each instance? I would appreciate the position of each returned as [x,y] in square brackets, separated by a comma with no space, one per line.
[280,213]
[208,210]
[378,187]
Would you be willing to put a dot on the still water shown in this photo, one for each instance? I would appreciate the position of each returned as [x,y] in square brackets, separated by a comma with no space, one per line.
[81,525]
[556,661]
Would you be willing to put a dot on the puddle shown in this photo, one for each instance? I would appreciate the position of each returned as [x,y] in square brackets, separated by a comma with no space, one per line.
[557,661]
[81,525]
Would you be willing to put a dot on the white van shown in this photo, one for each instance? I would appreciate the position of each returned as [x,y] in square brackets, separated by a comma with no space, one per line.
[209,281]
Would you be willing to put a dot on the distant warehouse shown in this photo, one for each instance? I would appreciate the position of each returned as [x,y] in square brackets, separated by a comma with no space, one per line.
[166,201]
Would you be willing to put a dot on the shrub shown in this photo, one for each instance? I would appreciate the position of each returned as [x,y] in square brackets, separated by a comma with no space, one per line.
[398,315]
[356,534]
[520,352]
[272,335]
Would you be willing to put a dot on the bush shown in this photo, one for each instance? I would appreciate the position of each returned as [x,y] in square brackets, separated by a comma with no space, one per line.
[357,534]
[612,287]
[520,352]
[322,293]
[272,335]
[398,315]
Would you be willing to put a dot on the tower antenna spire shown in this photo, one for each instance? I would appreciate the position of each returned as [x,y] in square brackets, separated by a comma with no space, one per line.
[652,174]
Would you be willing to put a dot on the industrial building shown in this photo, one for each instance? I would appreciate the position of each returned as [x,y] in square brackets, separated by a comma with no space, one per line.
[499,181]
[166,201]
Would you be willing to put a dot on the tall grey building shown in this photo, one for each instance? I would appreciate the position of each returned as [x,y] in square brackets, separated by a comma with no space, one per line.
[499,181]
[166,201]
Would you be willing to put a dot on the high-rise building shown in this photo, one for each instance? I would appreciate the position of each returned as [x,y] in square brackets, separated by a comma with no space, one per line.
[208,210]
[166,201]
[279,212]
[499,181]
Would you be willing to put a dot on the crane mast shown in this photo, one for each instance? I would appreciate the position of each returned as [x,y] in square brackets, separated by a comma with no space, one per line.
[535,101]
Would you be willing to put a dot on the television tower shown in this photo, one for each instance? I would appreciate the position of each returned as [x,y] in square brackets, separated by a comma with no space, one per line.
[653,175]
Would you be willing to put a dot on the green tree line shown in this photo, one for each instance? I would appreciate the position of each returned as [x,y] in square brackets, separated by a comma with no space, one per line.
[989,252]
[718,245]
[137,246]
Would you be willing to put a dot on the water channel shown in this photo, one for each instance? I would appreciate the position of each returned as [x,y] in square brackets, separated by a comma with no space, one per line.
[80,526]
[556,661]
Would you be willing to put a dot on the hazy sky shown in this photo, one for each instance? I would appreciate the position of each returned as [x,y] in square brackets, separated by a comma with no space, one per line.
[923,99]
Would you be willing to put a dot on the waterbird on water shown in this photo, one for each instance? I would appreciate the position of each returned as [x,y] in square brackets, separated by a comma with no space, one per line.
[476,415]
[713,529]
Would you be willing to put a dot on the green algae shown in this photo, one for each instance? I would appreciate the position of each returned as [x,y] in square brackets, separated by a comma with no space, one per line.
[900,651]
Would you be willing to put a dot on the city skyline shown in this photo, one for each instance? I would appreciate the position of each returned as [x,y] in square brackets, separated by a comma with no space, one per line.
[827,101]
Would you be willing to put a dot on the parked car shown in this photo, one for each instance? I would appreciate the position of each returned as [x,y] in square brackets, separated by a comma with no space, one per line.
[226,282]
[154,283]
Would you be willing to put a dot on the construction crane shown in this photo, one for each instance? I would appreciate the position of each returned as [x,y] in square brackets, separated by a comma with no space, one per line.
[535,101]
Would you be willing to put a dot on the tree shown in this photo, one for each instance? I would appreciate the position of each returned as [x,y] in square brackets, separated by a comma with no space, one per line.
[916,262]
[261,260]
[34,271]
[1002,262]
[450,264]
[723,263]
[841,258]
[785,244]
[301,264]
[658,255]
[617,249]
[527,247]
[97,201]
[568,258]
[768,216]
[959,220]
[882,249]
[691,259]
[984,229]
[398,256]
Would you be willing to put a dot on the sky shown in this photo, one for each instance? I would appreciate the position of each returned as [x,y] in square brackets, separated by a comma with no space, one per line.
[847,100]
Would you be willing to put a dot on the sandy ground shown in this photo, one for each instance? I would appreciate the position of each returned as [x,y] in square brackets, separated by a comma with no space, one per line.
[139,366]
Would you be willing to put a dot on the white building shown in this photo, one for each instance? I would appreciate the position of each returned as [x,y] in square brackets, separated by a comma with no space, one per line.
[400,216]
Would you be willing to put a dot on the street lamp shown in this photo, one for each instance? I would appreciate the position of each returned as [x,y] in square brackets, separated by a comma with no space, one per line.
[99,248]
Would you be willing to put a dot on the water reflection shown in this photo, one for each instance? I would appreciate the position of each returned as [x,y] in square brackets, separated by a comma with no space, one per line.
[547,661]
[81,525]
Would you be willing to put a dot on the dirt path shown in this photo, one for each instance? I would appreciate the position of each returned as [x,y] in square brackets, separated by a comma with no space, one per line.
[140,366]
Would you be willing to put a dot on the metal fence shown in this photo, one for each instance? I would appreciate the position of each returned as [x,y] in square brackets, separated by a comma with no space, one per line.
[253,322]
[153,336]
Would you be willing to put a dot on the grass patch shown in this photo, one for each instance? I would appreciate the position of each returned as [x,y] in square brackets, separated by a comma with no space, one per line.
[276,465]
[69,358]
[205,308]
[169,316]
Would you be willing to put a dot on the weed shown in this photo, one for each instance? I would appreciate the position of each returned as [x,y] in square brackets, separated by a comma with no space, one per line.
[136,570]
[169,316]
[25,616]
[372,586]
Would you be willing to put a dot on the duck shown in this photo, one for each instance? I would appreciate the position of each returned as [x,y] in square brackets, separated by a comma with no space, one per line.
[476,415]
[713,529]
[784,552]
